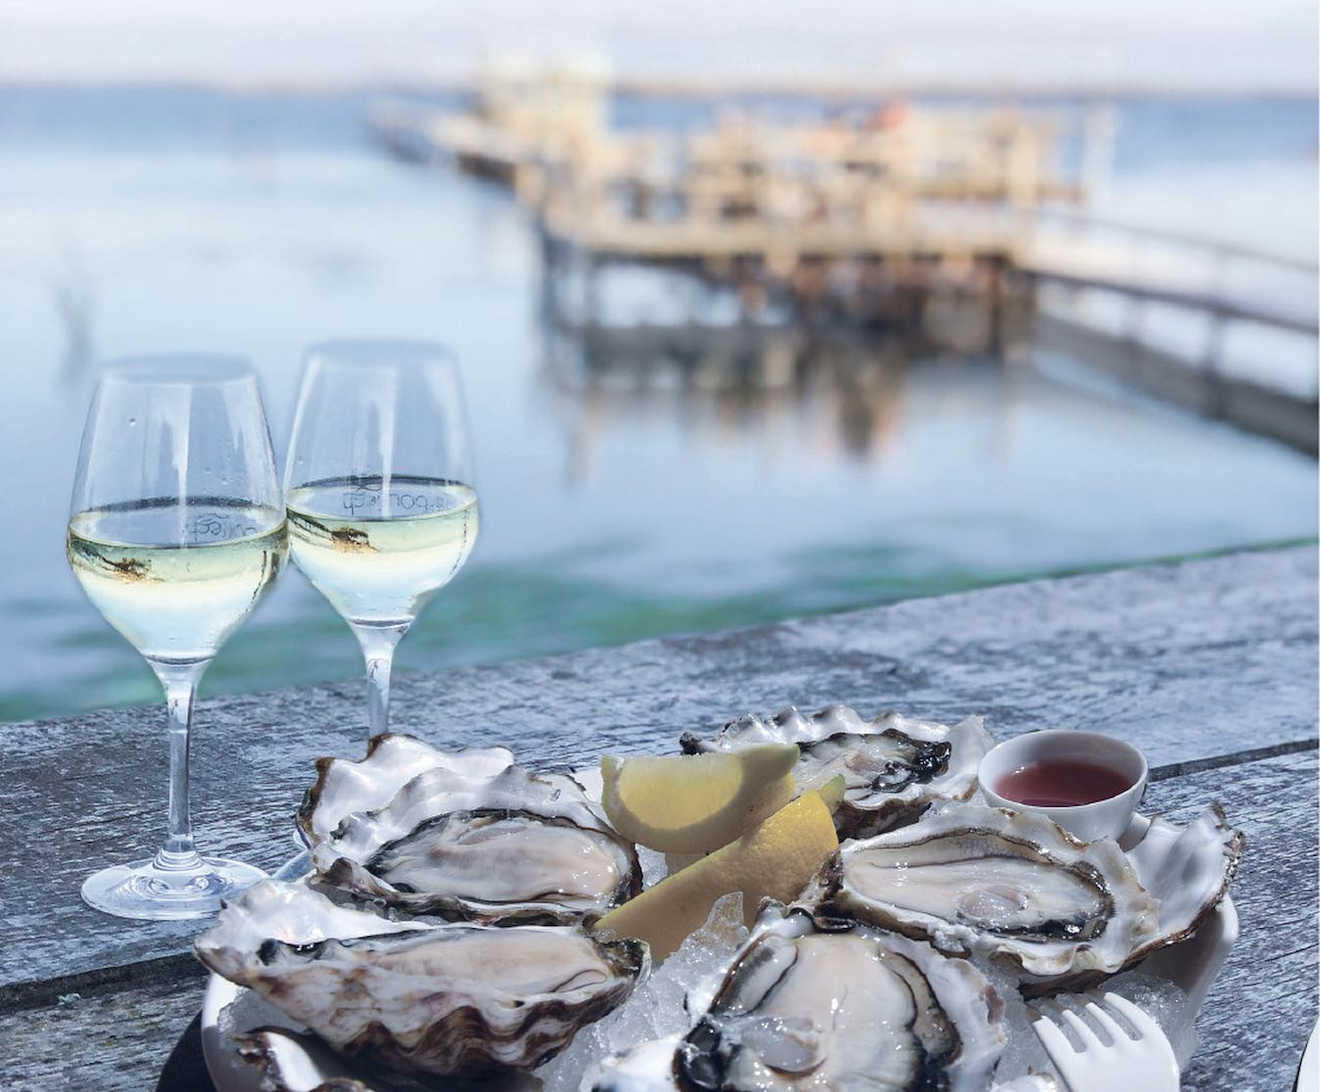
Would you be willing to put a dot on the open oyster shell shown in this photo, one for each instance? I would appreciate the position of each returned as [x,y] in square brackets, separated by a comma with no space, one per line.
[1009,885]
[451,998]
[803,1007]
[344,787]
[895,766]
[468,839]
[1188,870]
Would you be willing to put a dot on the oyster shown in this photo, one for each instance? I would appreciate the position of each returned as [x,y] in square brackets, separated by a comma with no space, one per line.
[895,766]
[464,843]
[465,836]
[296,914]
[802,1007]
[1188,870]
[450,998]
[343,787]
[1010,885]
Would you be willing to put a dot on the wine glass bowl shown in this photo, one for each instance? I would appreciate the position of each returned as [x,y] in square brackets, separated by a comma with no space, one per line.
[175,533]
[378,487]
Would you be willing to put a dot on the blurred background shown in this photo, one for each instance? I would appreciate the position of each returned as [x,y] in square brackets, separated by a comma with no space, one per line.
[761,312]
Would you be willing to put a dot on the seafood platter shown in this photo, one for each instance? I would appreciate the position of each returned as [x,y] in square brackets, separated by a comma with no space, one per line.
[796,902]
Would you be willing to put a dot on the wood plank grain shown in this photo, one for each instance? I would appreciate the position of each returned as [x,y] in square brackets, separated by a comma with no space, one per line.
[106,1040]
[1255,1021]
[1189,661]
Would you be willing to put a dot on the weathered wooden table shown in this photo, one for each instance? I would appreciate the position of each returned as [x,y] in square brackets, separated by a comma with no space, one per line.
[1209,666]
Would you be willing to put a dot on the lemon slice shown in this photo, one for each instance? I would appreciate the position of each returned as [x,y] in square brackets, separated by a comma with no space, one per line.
[777,859]
[696,803]
[832,791]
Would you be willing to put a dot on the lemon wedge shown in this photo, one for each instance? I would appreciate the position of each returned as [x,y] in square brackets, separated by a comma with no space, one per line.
[696,803]
[775,859]
[832,791]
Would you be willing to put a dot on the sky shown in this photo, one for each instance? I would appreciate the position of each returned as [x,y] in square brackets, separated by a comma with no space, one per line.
[1232,45]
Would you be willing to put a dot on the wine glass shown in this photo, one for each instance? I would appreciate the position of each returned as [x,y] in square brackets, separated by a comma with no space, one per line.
[176,530]
[379,491]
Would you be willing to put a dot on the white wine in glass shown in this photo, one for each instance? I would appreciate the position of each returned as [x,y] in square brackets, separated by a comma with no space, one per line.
[381,504]
[177,601]
[177,530]
[379,552]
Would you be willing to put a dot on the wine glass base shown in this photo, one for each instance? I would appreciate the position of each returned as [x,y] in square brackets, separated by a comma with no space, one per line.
[141,890]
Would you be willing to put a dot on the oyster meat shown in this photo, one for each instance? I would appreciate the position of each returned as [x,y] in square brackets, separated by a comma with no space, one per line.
[850,1006]
[895,767]
[449,998]
[464,843]
[1010,885]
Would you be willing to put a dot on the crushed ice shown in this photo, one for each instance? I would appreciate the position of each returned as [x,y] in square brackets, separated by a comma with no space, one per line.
[654,866]
[1023,1055]
[655,1008]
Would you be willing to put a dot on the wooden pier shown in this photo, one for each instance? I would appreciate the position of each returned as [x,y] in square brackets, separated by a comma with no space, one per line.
[865,221]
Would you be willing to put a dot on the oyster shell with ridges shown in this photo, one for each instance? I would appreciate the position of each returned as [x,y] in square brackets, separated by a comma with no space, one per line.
[343,786]
[895,767]
[289,1062]
[1188,870]
[450,998]
[1009,885]
[512,847]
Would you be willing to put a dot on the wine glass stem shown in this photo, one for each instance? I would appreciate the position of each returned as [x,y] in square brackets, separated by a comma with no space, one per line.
[180,683]
[378,644]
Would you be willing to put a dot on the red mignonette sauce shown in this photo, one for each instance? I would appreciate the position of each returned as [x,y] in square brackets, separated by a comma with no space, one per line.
[1061,783]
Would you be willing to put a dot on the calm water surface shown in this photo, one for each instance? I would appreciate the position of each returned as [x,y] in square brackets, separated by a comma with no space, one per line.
[611,510]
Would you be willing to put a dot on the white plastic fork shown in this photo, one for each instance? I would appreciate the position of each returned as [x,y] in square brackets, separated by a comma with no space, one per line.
[1124,1064]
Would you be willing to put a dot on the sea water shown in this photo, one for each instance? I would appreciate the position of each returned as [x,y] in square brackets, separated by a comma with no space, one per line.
[148,220]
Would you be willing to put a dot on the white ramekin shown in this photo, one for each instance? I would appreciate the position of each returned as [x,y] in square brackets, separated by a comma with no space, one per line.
[1101,819]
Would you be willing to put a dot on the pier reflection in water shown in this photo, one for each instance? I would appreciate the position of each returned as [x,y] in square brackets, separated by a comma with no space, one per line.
[829,394]
[818,359]
[831,391]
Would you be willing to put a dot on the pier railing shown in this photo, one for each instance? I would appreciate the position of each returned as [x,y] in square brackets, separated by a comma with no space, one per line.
[1232,281]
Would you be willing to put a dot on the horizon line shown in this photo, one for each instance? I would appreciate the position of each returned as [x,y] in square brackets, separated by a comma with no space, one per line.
[698,87]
